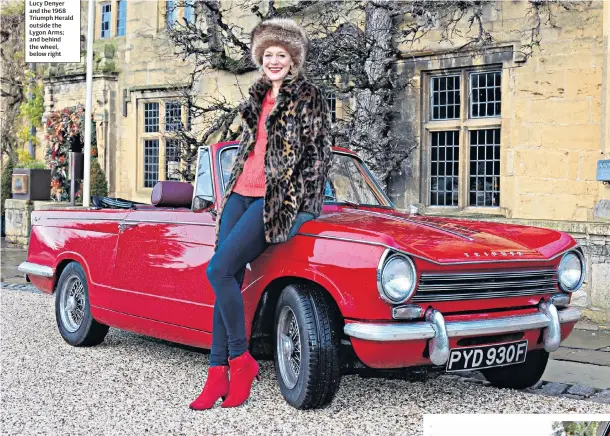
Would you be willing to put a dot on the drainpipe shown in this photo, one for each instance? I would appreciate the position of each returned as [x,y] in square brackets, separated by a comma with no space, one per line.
[32,126]
[605,142]
[88,103]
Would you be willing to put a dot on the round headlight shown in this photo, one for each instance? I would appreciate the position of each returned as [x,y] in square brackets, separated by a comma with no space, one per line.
[571,271]
[397,279]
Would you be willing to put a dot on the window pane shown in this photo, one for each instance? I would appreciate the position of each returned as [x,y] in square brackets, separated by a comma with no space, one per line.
[173,116]
[445,102]
[172,159]
[151,117]
[151,162]
[172,12]
[204,176]
[485,92]
[332,107]
[444,151]
[484,167]
[121,18]
[227,158]
[189,12]
[105,21]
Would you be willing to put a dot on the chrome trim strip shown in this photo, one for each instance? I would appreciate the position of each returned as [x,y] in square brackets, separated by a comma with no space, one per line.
[87,219]
[487,275]
[398,250]
[428,298]
[552,333]
[424,330]
[127,220]
[439,345]
[167,222]
[36,269]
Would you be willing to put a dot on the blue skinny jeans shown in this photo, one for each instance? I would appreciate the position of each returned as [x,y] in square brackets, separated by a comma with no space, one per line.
[241,240]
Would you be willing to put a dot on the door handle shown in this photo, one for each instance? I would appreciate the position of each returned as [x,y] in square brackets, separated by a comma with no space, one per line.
[124,226]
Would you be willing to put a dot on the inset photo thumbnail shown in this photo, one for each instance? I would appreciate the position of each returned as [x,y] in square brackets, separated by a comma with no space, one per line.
[521,425]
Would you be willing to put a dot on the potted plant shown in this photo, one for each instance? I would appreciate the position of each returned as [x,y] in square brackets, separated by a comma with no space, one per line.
[31,179]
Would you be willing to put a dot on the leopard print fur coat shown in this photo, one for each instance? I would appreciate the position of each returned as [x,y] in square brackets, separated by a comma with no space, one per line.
[298,156]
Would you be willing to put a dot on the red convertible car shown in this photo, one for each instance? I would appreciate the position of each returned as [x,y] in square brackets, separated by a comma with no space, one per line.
[363,281]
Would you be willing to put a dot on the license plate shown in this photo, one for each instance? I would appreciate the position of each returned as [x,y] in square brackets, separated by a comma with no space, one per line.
[487,356]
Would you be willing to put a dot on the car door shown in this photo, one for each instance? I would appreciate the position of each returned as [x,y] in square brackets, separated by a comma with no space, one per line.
[162,256]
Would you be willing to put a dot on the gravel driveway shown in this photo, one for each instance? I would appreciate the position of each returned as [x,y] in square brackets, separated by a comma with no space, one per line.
[132,384]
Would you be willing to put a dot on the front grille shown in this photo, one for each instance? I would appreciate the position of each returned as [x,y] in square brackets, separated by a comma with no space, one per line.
[474,286]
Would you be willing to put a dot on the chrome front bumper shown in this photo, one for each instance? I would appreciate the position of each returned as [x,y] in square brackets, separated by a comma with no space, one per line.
[435,328]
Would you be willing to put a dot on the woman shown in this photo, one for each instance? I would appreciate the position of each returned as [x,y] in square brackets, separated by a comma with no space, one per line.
[280,171]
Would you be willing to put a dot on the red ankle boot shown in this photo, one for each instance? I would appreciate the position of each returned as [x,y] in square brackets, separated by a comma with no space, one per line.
[243,371]
[216,386]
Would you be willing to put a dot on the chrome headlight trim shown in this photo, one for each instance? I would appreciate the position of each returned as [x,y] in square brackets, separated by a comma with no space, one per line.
[583,271]
[385,258]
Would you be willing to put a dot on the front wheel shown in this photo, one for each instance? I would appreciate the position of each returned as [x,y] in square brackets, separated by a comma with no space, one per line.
[307,362]
[520,376]
[72,312]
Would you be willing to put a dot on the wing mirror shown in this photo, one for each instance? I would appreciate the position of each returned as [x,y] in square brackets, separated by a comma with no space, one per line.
[413,209]
[202,203]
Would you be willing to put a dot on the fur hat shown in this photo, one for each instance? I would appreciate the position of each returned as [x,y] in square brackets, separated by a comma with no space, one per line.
[280,31]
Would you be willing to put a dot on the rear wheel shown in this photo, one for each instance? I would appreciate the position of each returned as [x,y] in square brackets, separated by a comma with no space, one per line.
[521,376]
[72,311]
[307,363]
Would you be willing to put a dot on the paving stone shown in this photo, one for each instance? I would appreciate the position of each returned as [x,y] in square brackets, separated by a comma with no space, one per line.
[594,357]
[602,397]
[538,384]
[554,389]
[573,397]
[586,325]
[584,391]
[589,340]
[27,287]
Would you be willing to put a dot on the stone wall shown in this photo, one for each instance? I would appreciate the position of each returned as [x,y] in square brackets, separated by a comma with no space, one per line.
[18,218]
[552,121]
[595,293]
[17,221]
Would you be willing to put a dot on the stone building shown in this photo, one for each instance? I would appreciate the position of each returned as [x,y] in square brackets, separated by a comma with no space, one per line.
[501,137]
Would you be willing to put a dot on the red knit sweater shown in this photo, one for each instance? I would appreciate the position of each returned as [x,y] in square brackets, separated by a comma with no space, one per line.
[251,182]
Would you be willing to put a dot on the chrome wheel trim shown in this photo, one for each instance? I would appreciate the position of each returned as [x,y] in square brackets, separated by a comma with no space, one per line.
[72,303]
[288,347]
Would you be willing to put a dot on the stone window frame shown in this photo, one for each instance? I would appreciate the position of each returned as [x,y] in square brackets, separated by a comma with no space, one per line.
[425,66]
[464,124]
[114,19]
[140,97]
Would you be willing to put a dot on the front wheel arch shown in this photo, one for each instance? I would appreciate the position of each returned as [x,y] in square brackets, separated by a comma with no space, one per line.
[261,338]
